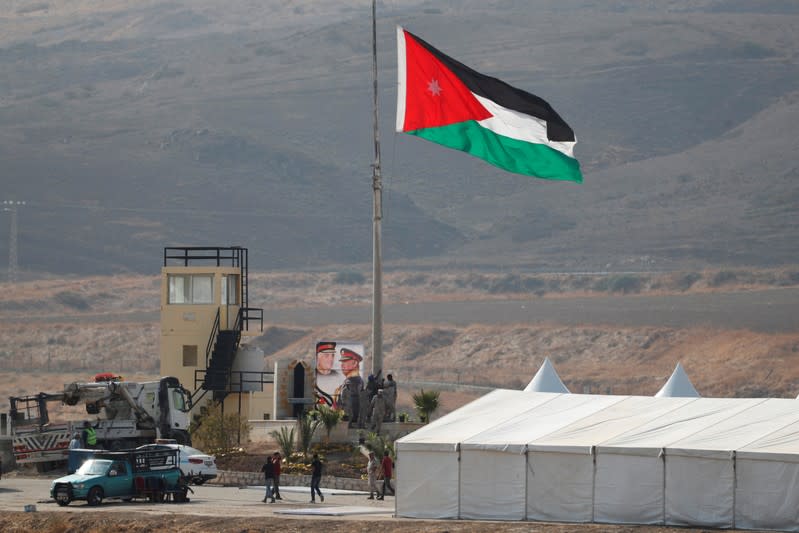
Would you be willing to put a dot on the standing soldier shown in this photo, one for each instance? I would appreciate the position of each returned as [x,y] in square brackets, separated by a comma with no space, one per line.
[378,411]
[390,392]
[345,399]
[363,411]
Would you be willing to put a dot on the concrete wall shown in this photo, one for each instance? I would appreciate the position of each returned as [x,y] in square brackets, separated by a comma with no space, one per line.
[245,479]
[260,430]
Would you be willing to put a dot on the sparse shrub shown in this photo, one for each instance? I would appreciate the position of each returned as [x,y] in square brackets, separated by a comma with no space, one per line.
[509,283]
[415,280]
[216,432]
[602,284]
[73,300]
[789,278]
[722,277]
[686,281]
[625,284]
[349,278]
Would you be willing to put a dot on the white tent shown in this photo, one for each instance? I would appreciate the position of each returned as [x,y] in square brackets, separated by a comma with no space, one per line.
[546,380]
[678,386]
[516,455]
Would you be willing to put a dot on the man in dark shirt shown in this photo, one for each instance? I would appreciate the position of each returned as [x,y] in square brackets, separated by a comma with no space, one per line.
[387,466]
[316,478]
[269,478]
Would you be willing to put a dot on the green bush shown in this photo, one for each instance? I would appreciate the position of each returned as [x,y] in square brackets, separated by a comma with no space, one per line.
[215,432]
[686,281]
[626,284]
[349,278]
[722,277]
[73,300]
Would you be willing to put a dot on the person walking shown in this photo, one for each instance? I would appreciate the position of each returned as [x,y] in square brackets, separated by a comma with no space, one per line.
[269,478]
[277,459]
[387,466]
[75,442]
[372,468]
[316,478]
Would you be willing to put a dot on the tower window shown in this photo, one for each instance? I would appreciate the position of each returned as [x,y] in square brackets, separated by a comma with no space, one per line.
[230,289]
[191,288]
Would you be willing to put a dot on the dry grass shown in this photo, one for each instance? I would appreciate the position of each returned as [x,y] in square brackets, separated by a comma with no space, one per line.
[84,336]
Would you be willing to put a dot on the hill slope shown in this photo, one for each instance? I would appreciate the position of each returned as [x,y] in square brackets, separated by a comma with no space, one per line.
[128,127]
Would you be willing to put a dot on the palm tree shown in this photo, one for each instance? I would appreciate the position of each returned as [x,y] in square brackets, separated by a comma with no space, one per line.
[285,440]
[307,425]
[426,402]
[329,418]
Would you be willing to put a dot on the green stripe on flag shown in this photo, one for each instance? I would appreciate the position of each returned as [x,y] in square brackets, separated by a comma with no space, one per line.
[513,155]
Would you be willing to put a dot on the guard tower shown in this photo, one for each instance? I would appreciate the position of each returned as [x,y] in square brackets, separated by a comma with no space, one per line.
[205,313]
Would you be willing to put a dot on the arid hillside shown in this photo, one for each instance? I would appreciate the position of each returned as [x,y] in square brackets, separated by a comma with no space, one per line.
[61,330]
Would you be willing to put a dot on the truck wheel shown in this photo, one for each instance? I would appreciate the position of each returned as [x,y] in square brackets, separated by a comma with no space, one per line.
[95,496]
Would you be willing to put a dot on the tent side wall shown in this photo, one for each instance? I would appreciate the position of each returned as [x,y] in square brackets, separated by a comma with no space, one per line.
[767,492]
[699,489]
[427,483]
[560,486]
[628,486]
[492,485]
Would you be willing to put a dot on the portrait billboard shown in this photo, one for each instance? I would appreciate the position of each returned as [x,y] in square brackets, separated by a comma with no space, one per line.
[335,362]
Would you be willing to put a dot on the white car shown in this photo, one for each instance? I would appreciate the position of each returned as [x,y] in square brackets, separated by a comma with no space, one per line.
[195,465]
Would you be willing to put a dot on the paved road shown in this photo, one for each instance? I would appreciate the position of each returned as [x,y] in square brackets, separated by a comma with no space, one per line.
[209,500]
[770,311]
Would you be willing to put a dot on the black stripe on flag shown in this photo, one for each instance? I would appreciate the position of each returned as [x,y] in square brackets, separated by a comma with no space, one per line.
[505,95]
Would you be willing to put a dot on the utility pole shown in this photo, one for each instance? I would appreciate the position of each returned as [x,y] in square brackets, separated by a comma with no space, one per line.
[377,204]
[12,206]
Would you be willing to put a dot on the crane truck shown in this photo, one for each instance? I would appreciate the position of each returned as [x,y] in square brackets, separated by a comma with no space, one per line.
[123,414]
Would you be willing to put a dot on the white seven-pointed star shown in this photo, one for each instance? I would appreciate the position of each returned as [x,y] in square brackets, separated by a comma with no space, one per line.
[434,87]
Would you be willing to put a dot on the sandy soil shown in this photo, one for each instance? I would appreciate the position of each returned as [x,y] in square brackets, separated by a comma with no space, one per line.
[129,523]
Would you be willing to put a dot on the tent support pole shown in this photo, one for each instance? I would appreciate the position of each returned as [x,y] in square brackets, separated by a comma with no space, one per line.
[663,491]
[458,449]
[593,486]
[526,478]
[734,486]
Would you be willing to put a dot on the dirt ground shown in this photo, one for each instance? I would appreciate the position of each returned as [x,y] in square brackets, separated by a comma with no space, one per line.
[52,522]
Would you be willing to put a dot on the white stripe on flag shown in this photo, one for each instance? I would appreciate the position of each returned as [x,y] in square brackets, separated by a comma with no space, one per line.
[401,78]
[519,126]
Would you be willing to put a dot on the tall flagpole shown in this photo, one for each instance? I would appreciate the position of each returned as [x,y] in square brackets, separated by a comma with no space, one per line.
[377,189]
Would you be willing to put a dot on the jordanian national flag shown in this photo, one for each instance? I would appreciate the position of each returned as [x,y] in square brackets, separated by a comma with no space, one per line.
[444,101]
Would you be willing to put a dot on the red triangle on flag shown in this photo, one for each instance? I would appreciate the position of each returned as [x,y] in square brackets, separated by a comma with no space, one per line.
[435,96]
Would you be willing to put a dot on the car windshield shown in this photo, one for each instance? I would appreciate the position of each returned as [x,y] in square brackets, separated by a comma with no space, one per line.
[94,467]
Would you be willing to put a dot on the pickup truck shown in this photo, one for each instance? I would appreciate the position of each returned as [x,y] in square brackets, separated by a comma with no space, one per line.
[154,475]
